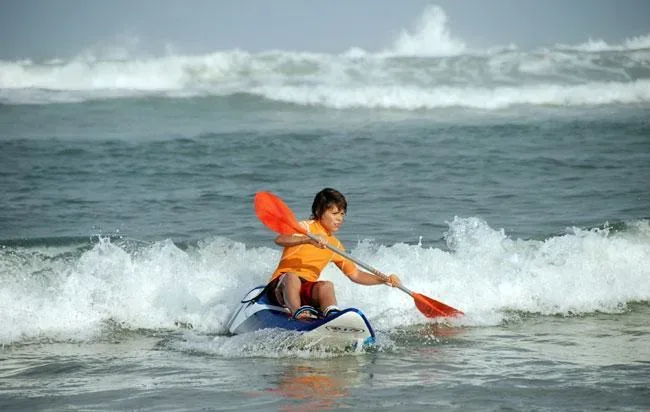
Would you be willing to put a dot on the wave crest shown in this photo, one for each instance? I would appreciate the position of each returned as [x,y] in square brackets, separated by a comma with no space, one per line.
[425,68]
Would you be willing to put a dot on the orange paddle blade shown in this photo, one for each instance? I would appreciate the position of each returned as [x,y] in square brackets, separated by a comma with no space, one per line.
[432,308]
[275,214]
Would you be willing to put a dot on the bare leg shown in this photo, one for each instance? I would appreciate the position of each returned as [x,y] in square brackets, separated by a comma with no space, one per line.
[288,291]
[323,293]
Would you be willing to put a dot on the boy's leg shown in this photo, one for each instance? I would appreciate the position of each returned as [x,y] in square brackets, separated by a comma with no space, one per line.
[288,291]
[323,294]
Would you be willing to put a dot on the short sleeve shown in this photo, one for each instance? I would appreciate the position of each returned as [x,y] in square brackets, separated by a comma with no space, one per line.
[347,266]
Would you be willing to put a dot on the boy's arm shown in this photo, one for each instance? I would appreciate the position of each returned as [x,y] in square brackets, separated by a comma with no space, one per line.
[364,278]
[295,240]
[299,239]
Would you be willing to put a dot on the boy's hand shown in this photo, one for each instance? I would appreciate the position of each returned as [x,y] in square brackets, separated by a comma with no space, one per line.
[393,280]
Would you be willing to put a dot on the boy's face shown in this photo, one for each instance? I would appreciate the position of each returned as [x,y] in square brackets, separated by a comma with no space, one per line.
[332,218]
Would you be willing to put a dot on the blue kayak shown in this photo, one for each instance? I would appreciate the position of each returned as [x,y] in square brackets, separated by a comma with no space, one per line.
[349,327]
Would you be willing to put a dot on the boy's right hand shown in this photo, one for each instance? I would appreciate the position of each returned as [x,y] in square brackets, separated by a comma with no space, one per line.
[393,280]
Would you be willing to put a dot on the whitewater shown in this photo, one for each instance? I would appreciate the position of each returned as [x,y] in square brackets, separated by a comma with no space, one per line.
[71,292]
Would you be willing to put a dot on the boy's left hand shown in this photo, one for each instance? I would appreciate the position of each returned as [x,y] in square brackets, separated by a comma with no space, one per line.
[393,280]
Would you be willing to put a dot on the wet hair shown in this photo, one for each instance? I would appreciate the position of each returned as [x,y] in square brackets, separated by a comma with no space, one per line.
[325,199]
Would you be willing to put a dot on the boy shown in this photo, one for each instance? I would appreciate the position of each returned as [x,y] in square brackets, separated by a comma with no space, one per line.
[295,284]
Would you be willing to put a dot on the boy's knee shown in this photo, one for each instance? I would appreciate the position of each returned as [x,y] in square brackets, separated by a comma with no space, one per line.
[325,285]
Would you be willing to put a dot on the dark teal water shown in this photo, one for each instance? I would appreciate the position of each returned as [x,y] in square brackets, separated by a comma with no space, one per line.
[532,175]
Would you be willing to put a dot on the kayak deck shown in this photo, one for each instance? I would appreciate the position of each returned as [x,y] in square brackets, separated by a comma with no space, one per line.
[348,327]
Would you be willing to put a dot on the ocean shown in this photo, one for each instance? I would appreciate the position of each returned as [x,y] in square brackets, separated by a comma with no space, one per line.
[511,184]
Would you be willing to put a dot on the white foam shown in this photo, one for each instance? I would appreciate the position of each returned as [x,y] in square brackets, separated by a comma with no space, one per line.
[582,271]
[268,343]
[354,80]
[153,288]
[600,45]
[416,98]
[486,274]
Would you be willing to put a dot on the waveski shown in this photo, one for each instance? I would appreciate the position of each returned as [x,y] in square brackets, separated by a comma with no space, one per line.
[347,329]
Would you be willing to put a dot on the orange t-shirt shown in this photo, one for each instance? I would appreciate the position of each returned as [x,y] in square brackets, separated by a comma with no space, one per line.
[308,261]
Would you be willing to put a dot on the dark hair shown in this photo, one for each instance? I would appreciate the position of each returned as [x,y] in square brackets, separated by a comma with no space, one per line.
[325,199]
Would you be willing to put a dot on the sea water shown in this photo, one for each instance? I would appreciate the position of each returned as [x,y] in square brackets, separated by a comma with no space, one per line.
[511,184]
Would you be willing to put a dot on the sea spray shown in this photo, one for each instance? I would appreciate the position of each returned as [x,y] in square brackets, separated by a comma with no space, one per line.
[431,37]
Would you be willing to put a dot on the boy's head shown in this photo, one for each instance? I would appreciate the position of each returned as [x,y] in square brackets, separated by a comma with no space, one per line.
[326,198]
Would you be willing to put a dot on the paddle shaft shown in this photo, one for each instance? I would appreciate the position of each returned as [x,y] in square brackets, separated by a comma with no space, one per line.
[366,266]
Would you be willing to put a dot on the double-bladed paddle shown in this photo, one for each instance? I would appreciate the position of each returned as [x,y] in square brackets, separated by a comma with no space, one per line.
[277,216]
